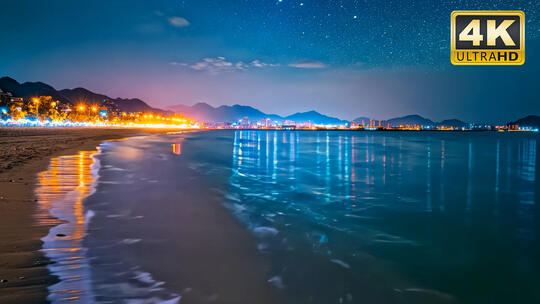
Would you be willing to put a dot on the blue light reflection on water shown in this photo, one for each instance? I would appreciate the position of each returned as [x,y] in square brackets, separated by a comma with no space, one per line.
[393,217]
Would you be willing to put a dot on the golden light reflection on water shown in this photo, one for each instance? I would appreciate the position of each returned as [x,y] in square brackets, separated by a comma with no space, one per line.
[60,192]
[177,147]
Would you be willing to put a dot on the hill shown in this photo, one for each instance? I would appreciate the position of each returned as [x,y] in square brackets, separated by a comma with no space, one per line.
[315,118]
[362,120]
[72,96]
[30,89]
[528,121]
[206,113]
[410,120]
[456,123]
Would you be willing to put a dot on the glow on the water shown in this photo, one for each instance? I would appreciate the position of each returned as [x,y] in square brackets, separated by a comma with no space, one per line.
[60,193]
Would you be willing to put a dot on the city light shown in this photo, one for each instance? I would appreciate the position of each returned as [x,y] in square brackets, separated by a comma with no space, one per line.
[55,123]
[44,111]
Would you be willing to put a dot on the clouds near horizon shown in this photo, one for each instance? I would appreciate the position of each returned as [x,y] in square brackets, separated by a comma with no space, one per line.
[215,65]
[178,21]
[221,64]
[307,64]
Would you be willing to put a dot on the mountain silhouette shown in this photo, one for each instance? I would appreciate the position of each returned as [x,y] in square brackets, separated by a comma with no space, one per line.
[362,120]
[73,96]
[206,113]
[528,121]
[410,120]
[413,119]
[456,123]
[315,118]
[30,89]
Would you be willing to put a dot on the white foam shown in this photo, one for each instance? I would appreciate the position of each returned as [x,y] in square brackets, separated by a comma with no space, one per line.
[144,277]
[130,241]
[112,168]
[427,291]
[265,232]
[89,215]
[154,300]
[172,301]
[340,263]
[277,281]
[232,197]
[391,239]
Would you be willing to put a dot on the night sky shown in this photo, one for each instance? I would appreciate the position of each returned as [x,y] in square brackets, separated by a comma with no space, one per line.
[379,59]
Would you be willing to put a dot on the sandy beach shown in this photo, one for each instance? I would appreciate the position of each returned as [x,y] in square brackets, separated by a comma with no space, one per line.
[208,247]
[23,153]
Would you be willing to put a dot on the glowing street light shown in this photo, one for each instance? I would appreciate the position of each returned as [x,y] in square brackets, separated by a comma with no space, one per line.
[81,108]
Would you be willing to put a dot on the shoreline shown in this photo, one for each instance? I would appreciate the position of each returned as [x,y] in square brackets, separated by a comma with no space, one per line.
[25,152]
[189,244]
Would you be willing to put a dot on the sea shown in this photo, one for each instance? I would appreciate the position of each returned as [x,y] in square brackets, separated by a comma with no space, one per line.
[255,216]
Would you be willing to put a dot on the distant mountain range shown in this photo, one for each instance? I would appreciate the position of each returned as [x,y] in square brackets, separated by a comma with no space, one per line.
[529,121]
[362,120]
[414,120]
[206,113]
[72,96]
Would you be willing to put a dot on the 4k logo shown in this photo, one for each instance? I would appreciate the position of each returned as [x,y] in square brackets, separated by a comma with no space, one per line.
[487,37]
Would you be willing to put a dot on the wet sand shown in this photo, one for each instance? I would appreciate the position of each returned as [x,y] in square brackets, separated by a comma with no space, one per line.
[23,153]
[158,220]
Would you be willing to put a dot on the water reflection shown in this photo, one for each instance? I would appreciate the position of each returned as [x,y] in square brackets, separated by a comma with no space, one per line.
[420,201]
[60,191]
[177,147]
[352,167]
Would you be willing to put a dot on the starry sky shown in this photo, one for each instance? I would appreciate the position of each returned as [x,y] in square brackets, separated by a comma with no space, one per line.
[344,58]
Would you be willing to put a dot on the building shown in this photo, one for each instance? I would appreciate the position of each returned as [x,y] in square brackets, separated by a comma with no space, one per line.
[265,123]
[7,100]
[244,123]
[288,123]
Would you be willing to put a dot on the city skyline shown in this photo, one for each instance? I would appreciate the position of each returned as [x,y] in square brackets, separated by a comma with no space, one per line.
[282,57]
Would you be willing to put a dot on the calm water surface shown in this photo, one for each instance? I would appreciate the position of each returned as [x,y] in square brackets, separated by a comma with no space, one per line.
[394,217]
[343,217]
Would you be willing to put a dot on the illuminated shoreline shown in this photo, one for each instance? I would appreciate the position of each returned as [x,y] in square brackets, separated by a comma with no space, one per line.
[23,123]
[60,124]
